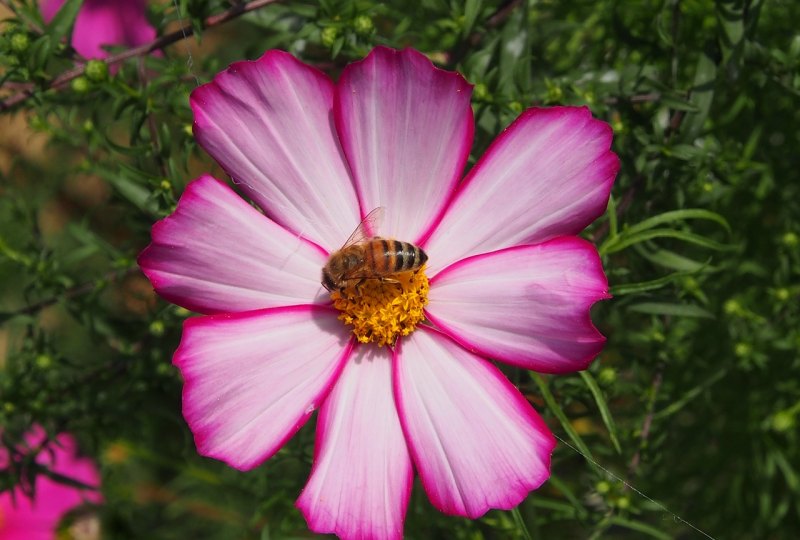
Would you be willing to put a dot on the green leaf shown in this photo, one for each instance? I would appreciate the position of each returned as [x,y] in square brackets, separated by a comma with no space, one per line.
[679,215]
[702,95]
[605,413]
[638,526]
[64,19]
[673,261]
[520,523]
[665,308]
[472,9]
[559,413]
[562,486]
[681,402]
[644,286]
[626,240]
[127,182]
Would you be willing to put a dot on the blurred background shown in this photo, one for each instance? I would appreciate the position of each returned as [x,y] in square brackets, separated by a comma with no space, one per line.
[685,426]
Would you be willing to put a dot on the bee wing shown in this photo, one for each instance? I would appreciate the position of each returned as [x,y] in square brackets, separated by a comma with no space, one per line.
[367,228]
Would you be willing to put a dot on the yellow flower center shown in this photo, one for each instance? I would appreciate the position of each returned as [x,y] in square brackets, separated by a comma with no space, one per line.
[380,311]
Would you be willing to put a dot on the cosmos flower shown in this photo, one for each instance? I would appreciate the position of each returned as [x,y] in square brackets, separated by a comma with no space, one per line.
[103,23]
[506,279]
[26,518]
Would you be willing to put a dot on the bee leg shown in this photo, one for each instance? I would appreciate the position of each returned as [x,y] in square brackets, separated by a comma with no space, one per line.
[359,284]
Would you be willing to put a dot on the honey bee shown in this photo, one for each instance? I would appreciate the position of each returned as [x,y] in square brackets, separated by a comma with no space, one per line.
[365,257]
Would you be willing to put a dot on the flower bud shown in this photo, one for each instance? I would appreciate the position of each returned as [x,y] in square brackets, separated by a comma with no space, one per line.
[363,25]
[20,42]
[96,70]
[329,36]
[80,85]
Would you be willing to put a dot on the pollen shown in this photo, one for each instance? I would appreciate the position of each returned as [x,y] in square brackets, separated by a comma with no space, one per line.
[380,311]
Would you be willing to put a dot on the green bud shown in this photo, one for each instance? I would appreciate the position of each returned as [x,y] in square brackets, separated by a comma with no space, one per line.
[607,375]
[44,361]
[742,349]
[623,503]
[165,185]
[732,307]
[182,312]
[481,92]
[329,36]
[783,294]
[602,487]
[20,42]
[790,239]
[157,328]
[88,126]
[363,25]
[165,370]
[515,106]
[782,421]
[554,93]
[80,85]
[8,407]
[96,70]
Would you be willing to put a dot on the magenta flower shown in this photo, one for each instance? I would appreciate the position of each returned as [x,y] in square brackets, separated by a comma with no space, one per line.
[23,518]
[508,281]
[102,23]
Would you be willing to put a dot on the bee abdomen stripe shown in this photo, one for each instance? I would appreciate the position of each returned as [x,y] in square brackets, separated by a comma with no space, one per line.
[400,256]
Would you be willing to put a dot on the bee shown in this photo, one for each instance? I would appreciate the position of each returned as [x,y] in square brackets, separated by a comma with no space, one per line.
[365,257]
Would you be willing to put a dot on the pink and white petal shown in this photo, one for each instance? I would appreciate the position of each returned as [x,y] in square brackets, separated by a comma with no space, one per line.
[269,124]
[476,442]
[251,380]
[361,479]
[548,174]
[406,128]
[527,305]
[216,253]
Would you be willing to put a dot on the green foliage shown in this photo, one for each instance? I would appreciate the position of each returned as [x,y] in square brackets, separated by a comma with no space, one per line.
[689,416]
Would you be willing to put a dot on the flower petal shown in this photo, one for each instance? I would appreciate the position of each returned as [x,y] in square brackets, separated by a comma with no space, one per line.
[361,479]
[102,23]
[406,128]
[26,518]
[269,124]
[548,174]
[527,305]
[476,442]
[253,379]
[216,253]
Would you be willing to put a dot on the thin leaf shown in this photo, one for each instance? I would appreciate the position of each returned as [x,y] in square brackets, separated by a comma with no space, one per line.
[626,240]
[643,286]
[677,405]
[520,523]
[678,310]
[64,19]
[673,261]
[679,215]
[559,413]
[639,527]
[605,413]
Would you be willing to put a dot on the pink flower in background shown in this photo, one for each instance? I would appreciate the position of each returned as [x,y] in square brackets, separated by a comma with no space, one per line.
[509,281]
[22,518]
[102,23]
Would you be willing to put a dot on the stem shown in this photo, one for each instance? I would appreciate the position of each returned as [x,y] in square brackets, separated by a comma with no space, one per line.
[157,44]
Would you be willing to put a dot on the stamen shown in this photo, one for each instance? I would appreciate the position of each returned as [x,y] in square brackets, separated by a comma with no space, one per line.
[380,311]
